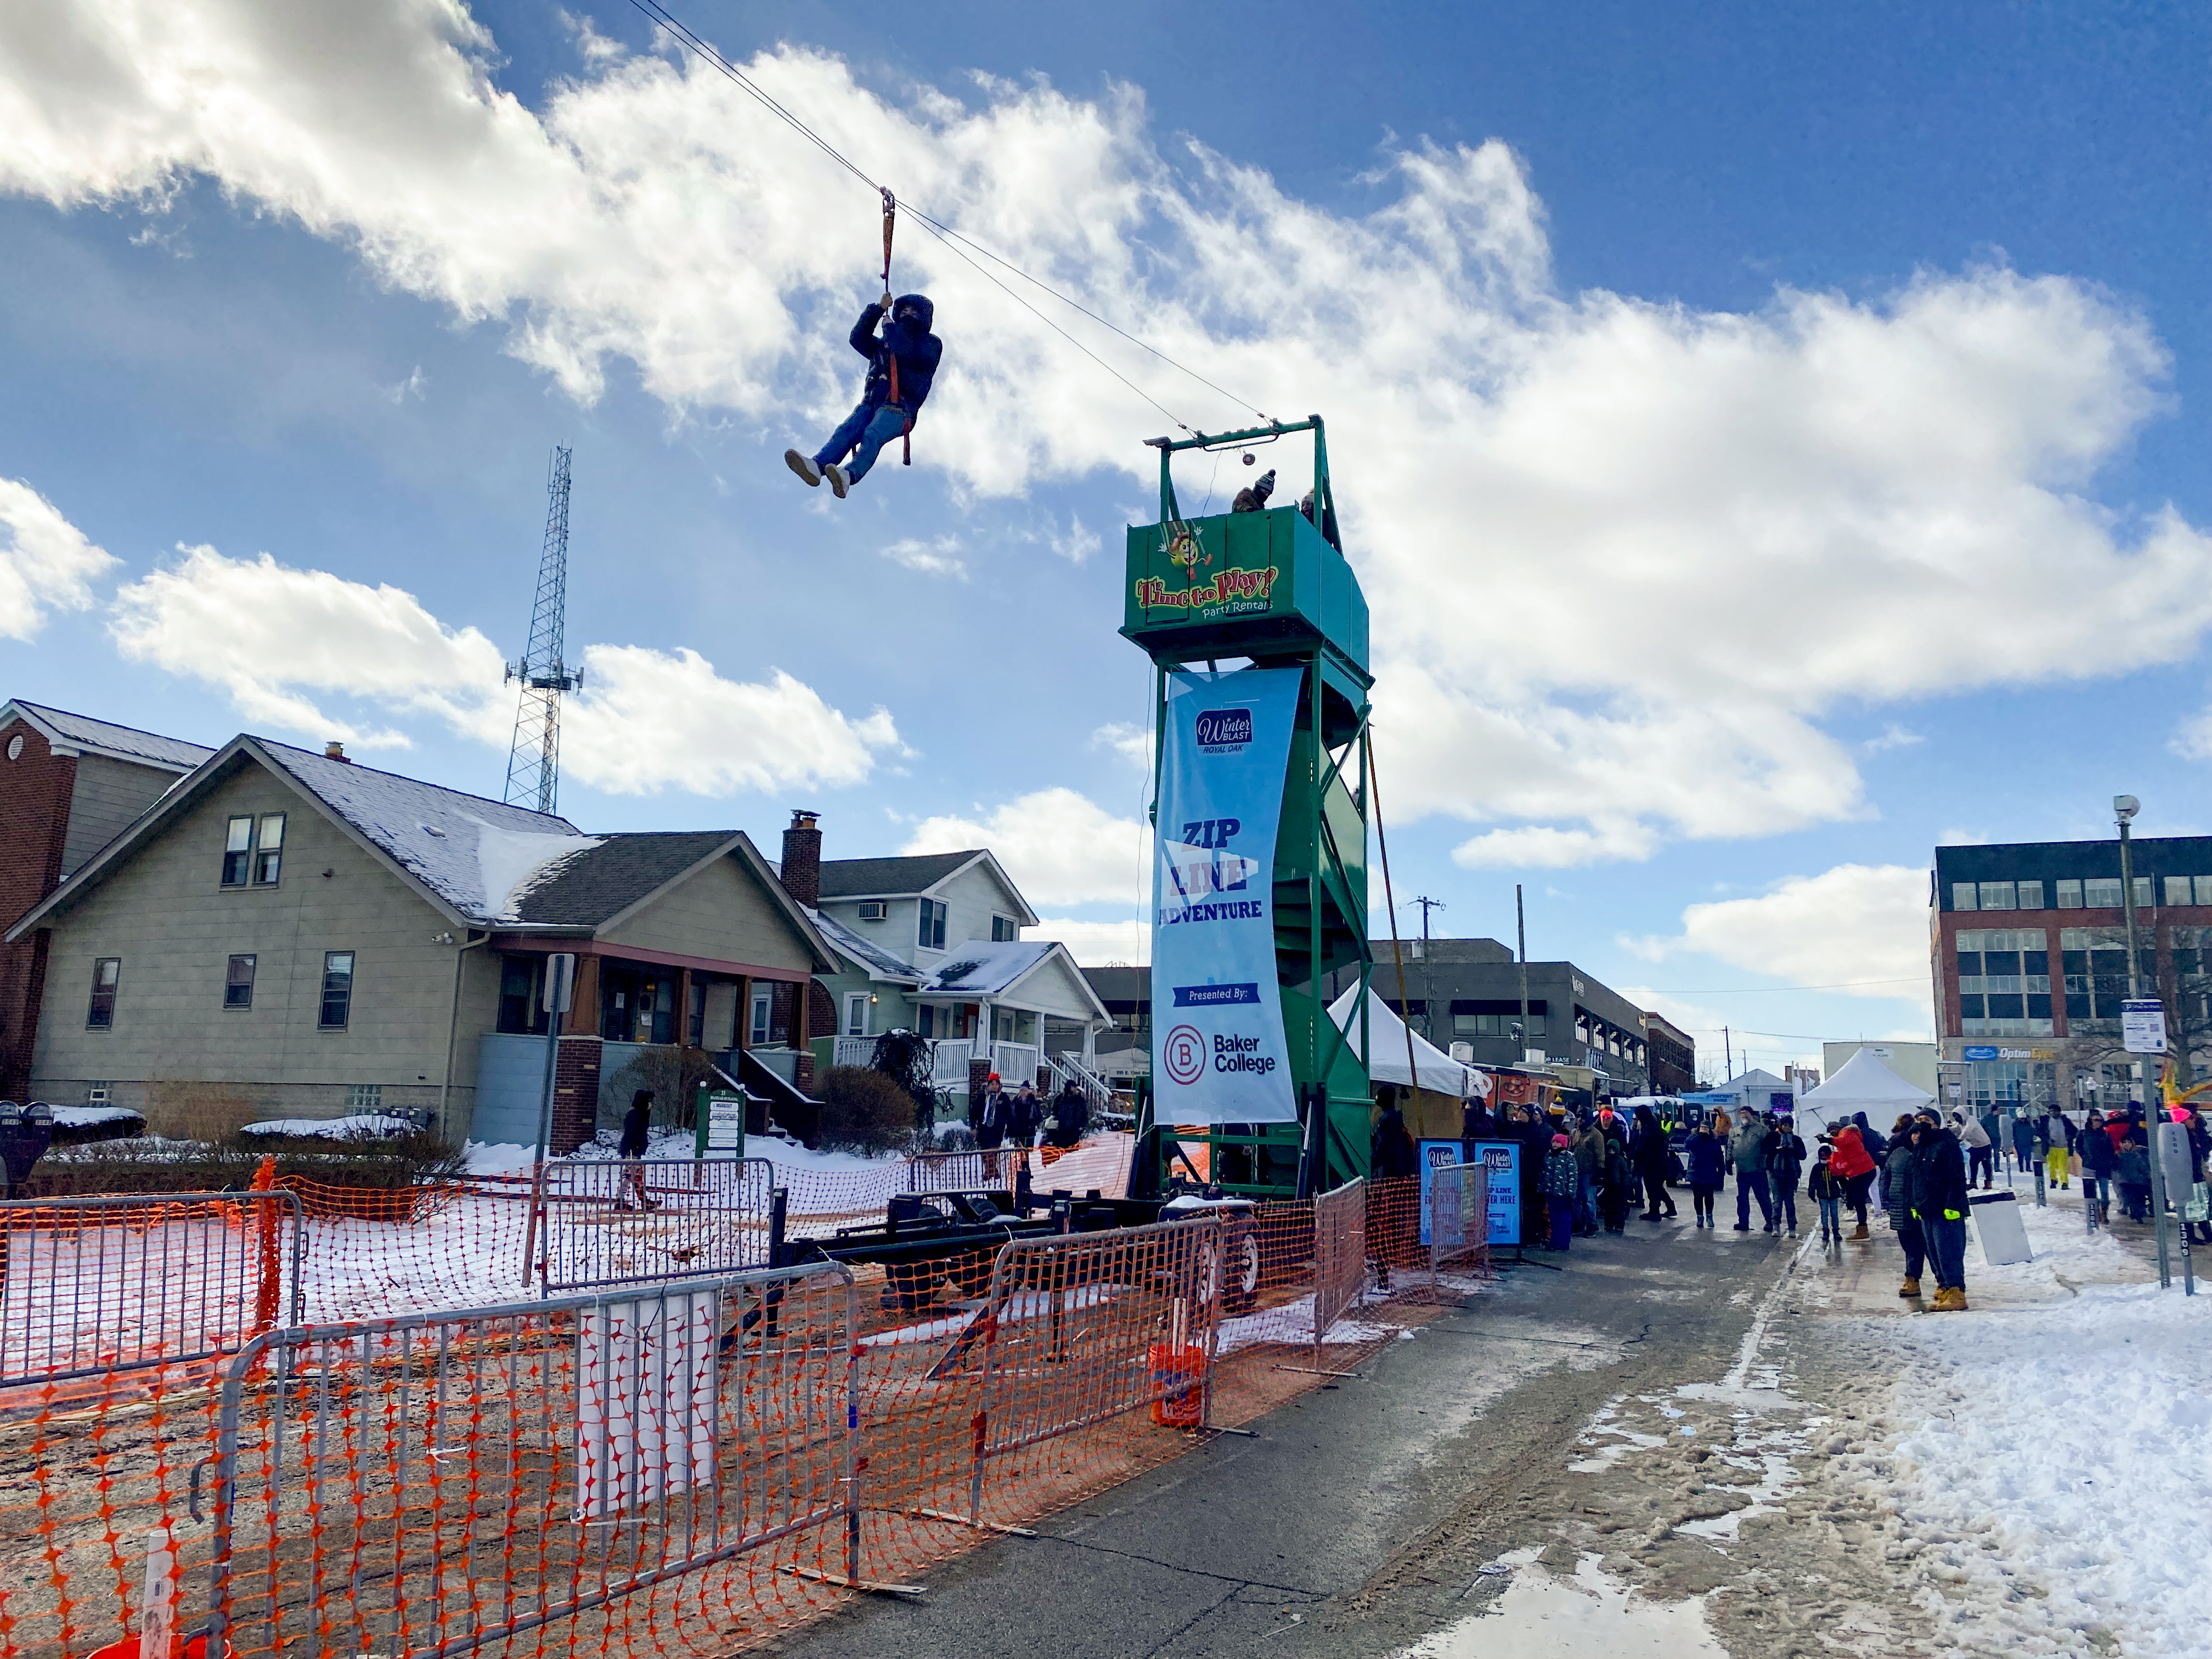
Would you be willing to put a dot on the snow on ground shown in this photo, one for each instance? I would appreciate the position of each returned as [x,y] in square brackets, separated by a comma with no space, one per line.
[2050,1474]
[84,1117]
[334,1128]
[503,1159]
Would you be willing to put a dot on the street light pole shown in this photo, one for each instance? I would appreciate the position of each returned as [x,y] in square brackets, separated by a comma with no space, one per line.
[2125,807]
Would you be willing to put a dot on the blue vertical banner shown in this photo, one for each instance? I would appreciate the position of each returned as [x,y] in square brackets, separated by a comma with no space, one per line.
[1219,1056]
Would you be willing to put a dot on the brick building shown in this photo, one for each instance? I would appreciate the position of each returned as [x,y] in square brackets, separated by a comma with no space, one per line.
[2028,960]
[1674,1056]
[69,784]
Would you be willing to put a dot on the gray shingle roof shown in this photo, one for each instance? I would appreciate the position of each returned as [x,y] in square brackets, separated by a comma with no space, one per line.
[869,878]
[82,731]
[602,881]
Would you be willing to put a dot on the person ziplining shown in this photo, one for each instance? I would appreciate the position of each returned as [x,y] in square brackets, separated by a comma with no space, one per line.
[901,363]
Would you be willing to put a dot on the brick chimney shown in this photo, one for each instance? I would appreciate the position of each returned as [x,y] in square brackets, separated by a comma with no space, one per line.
[802,857]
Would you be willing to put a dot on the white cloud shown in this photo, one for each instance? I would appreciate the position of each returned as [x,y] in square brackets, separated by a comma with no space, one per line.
[1709,529]
[1860,929]
[1061,848]
[1099,943]
[932,558]
[273,637]
[412,386]
[1131,743]
[1543,847]
[649,720]
[45,561]
[1079,544]
[1893,736]
[276,639]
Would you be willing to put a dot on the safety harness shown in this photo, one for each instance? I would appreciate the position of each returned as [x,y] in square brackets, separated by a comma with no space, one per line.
[906,435]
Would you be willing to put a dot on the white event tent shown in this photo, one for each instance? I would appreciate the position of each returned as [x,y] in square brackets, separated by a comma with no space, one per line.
[1862,1084]
[1440,1072]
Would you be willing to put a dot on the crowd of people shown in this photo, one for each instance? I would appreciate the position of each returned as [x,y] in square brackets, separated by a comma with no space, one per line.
[1585,1171]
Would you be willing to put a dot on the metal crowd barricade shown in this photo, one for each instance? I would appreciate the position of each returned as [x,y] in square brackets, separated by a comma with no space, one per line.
[1456,1218]
[1339,1272]
[950,1172]
[623,1222]
[1082,1329]
[426,1485]
[117,1283]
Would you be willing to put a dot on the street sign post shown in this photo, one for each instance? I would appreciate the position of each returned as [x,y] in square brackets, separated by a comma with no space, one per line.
[2142,1025]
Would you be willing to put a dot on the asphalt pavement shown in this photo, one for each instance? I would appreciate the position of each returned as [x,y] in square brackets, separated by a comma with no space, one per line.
[1358,1518]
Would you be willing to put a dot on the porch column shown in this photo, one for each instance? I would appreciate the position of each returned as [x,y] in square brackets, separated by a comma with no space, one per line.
[742,1035]
[801,1007]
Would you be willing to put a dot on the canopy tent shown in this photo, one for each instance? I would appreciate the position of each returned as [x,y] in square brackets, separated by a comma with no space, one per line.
[1862,1084]
[1435,1114]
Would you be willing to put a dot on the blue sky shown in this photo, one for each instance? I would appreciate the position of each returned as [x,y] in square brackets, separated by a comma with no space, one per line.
[1771,435]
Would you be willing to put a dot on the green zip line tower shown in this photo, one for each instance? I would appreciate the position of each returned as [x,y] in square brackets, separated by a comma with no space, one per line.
[1309,614]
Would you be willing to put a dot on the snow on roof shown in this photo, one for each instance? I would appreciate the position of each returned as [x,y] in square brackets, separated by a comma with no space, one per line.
[987,967]
[880,962]
[480,856]
[334,1128]
[82,731]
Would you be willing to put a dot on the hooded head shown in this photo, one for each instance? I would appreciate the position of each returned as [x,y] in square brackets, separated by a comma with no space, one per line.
[914,311]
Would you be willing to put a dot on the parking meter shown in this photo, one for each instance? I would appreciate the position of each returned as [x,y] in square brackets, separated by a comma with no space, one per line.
[26,1132]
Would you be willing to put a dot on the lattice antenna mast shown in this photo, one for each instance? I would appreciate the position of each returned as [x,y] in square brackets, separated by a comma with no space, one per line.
[533,764]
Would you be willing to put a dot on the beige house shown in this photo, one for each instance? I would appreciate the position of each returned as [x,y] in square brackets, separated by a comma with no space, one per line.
[295,935]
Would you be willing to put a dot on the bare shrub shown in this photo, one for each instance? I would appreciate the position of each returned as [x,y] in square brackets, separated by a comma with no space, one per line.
[863,1111]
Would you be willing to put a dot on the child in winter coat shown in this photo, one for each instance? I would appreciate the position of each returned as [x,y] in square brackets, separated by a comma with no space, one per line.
[1824,1190]
[2134,1175]
[1708,1160]
[1562,1191]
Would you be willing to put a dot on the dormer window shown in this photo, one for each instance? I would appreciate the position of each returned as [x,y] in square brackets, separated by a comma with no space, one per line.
[1004,928]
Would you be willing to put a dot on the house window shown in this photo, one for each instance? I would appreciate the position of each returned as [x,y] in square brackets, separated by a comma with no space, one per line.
[253,852]
[521,993]
[695,1016]
[2143,895]
[762,1000]
[929,934]
[856,1014]
[238,983]
[1003,929]
[337,990]
[99,1016]
[367,1097]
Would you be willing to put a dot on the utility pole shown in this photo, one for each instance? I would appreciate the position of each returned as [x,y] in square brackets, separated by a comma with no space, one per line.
[533,762]
[1428,990]
[1728,1063]
[2125,807]
[1521,929]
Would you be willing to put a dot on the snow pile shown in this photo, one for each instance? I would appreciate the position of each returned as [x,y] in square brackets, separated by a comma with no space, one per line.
[86,1117]
[510,862]
[2042,1497]
[502,1158]
[352,1127]
[1292,1325]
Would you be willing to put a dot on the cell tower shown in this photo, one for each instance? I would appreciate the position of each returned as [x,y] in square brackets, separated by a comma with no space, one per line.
[533,764]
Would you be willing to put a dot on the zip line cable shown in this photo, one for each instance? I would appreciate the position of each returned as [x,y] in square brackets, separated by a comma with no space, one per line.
[661,15]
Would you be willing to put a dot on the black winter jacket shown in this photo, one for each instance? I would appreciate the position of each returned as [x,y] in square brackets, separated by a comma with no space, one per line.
[1939,1178]
[908,339]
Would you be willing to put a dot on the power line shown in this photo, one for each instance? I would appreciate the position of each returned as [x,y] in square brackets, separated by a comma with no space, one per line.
[1777,990]
[945,233]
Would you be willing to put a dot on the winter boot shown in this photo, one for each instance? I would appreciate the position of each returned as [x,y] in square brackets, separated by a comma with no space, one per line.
[809,474]
[838,481]
[1859,1232]
[1911,1287]
[1952,1299]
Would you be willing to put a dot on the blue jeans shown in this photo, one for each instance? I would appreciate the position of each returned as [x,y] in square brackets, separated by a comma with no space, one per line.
[1747,1182]
[866,429]
[1831,1216]
[1947,1250]
[1785,1200]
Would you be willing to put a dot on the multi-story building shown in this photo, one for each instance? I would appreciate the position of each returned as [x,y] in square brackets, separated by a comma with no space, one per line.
[2029,957]
[1469,990]
[1674,1056]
